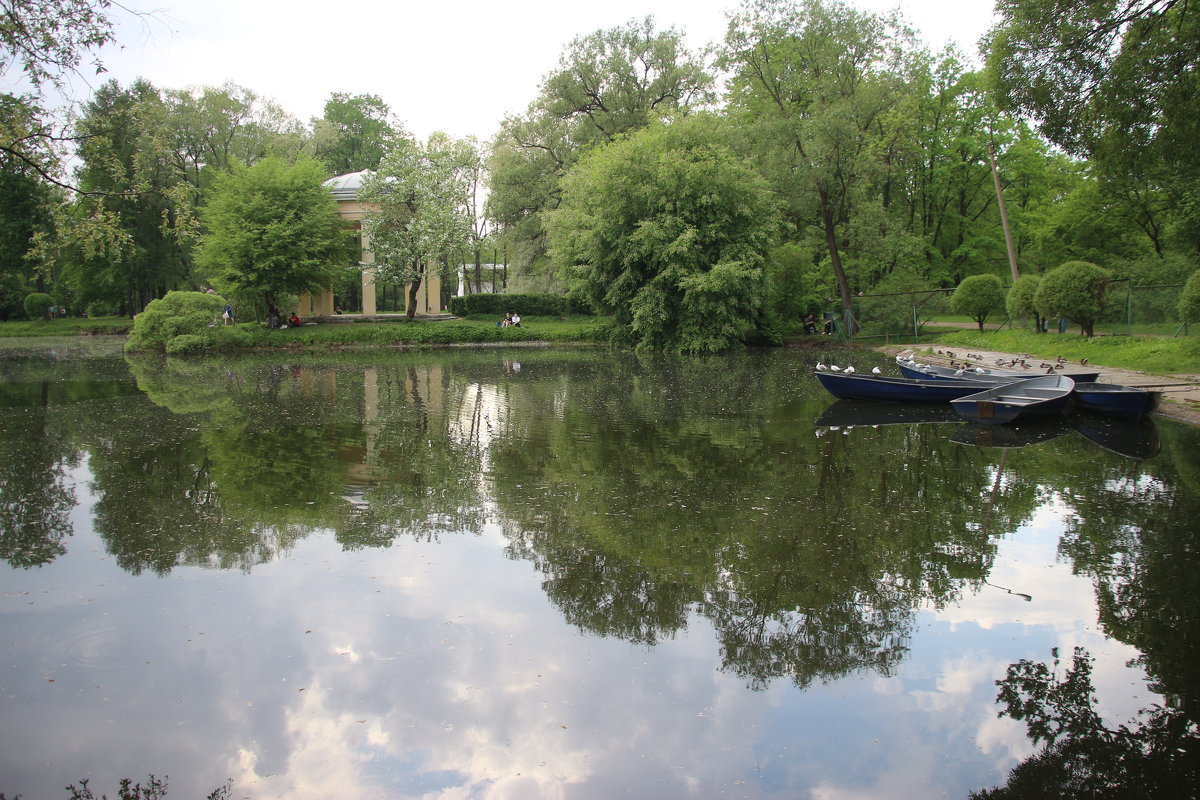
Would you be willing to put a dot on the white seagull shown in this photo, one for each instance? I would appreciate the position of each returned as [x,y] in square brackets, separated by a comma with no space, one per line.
[821,367]
[849,369]
[876,371]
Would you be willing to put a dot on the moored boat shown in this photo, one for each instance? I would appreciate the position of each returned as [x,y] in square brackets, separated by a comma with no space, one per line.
[981,374]
[881,387]
[1115,400]
[1018,401]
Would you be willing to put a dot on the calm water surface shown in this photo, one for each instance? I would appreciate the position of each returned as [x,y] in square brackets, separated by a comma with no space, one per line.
[567,574]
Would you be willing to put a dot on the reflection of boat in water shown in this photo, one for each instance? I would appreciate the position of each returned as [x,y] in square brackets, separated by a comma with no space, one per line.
[1129,438]
[845,413]
[1010,436]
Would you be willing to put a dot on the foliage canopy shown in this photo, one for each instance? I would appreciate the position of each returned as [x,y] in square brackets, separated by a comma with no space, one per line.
[977,297]
[273,229]
[1076,289]
[667,229]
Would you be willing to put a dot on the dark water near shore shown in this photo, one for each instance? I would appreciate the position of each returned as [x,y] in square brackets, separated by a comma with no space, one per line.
[561,573]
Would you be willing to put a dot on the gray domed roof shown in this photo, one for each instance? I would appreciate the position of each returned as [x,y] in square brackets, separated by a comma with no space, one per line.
[345,187]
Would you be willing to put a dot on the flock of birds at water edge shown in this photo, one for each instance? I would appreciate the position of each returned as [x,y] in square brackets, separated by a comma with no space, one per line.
[964,367]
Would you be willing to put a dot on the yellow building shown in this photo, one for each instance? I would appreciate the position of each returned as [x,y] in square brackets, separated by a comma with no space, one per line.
[345,190]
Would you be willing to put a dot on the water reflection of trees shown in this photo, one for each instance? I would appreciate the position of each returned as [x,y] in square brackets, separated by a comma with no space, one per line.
[1133,531]
[649,491]
[252,454]
[35,501]
[42,390]
[644,490]
[1157,755]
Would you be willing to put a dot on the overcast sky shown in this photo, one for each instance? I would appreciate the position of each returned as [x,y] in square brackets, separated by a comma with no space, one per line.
[456,66]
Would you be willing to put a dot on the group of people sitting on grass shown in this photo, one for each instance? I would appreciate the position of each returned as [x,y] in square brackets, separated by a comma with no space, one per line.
[511,320]
[275,319]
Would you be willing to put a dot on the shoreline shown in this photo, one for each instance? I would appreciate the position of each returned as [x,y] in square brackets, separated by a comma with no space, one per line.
[1181,393]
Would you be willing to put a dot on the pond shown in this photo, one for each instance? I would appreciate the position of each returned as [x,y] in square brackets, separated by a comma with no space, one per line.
[575,573]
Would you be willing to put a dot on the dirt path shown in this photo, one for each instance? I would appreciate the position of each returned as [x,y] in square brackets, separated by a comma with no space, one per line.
[1181,393]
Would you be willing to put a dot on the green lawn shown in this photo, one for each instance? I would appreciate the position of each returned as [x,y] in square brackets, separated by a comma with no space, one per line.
[1155,354]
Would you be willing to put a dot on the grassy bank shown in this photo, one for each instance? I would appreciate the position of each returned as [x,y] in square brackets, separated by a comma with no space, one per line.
[1159,355]
[67,327]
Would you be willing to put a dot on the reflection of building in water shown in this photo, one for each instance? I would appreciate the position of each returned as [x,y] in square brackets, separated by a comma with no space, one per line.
[345,190]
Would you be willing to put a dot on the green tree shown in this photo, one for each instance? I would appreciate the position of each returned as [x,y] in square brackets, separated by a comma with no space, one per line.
[1114,81]
[606,83]
[891,307]
[1189,301]
[977,297]
[1020,299]
[26,205]
[47,40]
[206,129]
[418,197]
[354,132]
[272,229]
[38,305]
[1076,289]
[130,203]
[668,230]
[820,83]
[176,314]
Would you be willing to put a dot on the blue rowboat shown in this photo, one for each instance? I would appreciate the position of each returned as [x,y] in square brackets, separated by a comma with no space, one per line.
[1115,400]
[907,390]
[980,374]
[1045,396]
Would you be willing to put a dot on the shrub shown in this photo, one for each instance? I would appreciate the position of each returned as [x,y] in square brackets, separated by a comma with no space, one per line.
[37,305]
[174,315]
[977,297]
[186,343]
[1189,301]
[1076,290]
[1020,299]
[527,305]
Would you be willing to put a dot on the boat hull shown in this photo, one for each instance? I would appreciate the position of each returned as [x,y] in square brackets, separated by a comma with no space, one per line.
[1034,398]
[902,390]
[1114,400]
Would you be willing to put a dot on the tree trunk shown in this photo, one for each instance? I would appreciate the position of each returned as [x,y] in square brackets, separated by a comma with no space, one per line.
[478,271]
[835,258]
[413,288]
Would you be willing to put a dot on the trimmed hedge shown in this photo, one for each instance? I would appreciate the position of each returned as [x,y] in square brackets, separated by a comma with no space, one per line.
[527,305]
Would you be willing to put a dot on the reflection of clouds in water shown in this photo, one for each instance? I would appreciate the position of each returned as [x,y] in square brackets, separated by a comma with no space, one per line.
[440,669]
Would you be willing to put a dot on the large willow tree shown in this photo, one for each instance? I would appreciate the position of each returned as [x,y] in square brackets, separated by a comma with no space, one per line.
[667,230]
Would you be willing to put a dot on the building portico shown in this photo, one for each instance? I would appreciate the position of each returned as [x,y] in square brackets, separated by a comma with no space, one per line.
[345,189]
